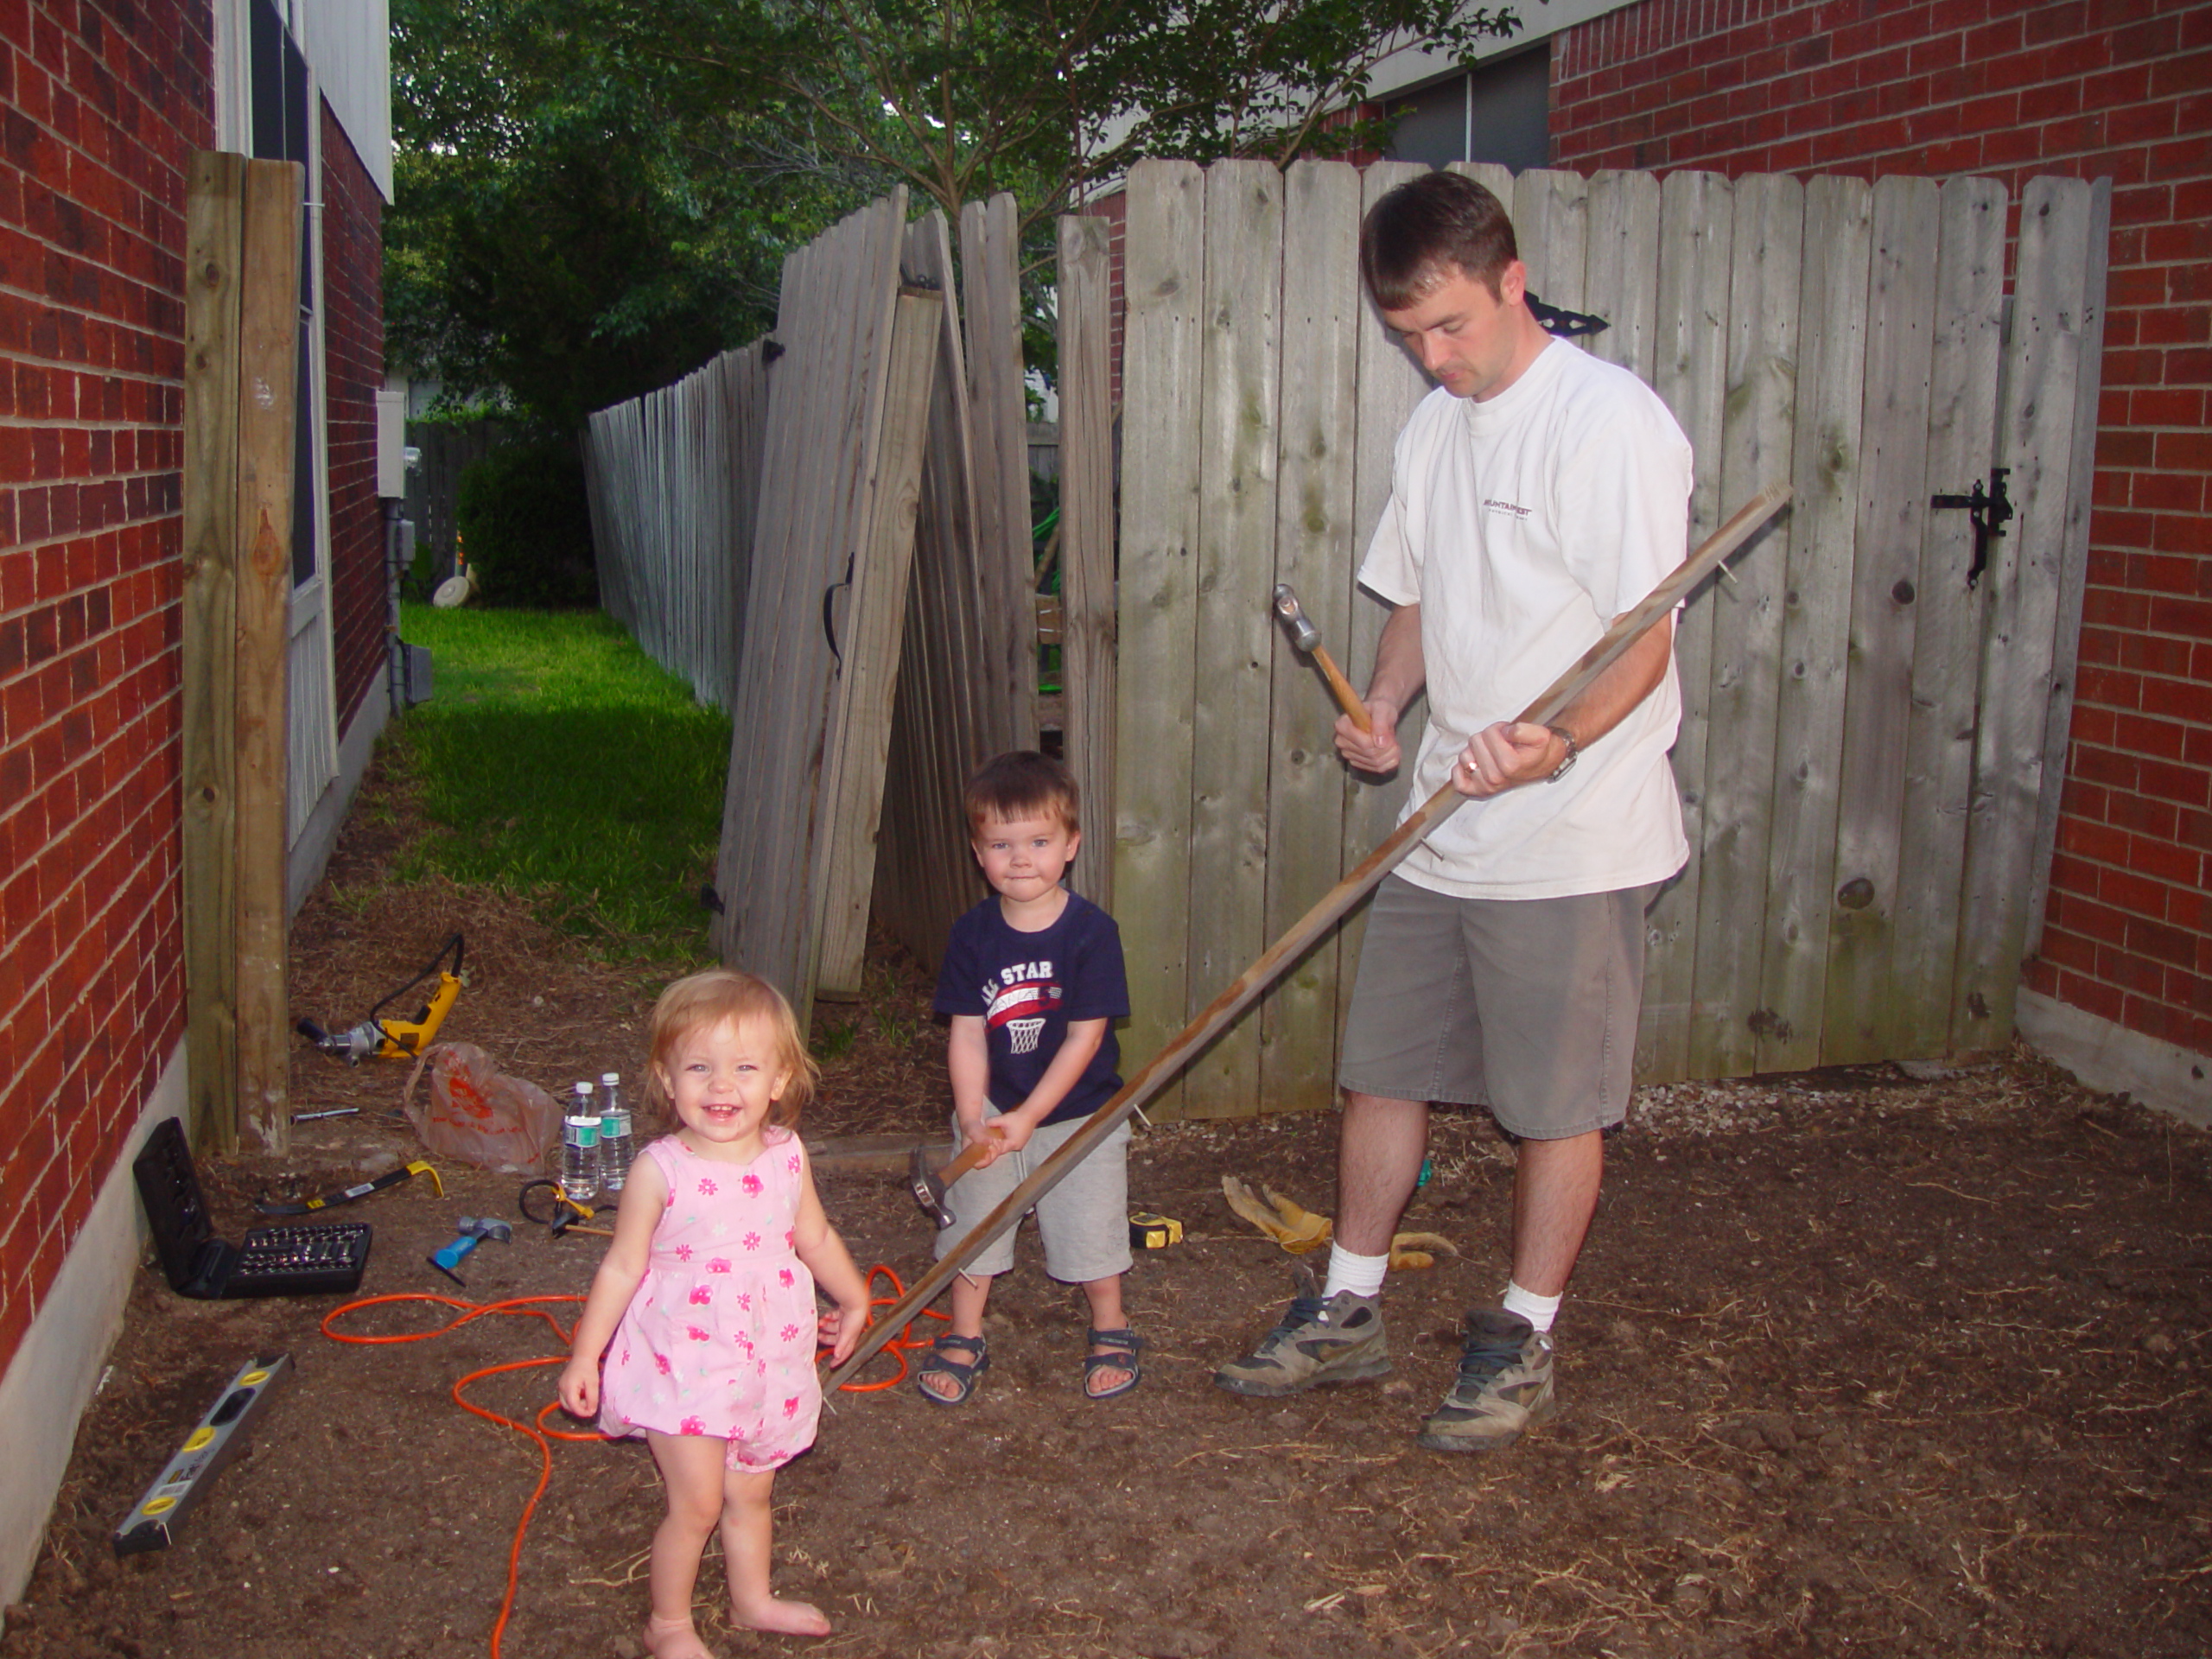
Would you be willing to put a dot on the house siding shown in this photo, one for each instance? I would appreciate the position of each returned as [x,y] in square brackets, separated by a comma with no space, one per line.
[2086,90]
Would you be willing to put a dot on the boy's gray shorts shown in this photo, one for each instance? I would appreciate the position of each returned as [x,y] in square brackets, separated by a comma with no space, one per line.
[1084,1221]
[1525,1006]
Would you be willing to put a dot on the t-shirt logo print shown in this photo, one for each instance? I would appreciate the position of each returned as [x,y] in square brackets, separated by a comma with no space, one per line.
[1021,1010]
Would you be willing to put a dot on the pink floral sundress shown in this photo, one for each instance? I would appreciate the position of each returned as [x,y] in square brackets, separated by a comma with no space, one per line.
[718,1338]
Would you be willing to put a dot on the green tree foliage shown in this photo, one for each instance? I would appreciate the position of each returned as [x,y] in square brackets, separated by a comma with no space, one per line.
[567,231]
[962,99]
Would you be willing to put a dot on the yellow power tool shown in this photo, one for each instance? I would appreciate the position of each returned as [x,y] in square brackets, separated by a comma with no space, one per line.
[381,1038]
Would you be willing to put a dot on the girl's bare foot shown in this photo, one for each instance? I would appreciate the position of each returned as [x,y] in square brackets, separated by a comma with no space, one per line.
[674,1638]
[783,1617]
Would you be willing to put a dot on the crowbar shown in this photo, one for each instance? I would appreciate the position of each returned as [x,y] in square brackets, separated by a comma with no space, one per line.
[1629,628]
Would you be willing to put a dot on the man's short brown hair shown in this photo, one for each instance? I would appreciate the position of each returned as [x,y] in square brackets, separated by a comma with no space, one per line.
[1022,784]
[1415,233]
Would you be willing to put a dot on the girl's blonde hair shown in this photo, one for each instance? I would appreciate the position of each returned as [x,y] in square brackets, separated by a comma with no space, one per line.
[700,1001]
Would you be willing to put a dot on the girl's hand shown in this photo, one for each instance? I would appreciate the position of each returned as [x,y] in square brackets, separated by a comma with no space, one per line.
[841,1328]
[580,1388]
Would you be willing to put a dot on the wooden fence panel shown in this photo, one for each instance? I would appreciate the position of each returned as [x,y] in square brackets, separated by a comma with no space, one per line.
[1861,1012]
[1163,356]
[1621,273]
[1551,222]
[1755,453]
[1323,319]
[1689,373]
[1242,364]
[1960,440]
[1816,619]
[946,718]
[2045,377]
[990,265]
[1085,456]
[869,654]
[825,407]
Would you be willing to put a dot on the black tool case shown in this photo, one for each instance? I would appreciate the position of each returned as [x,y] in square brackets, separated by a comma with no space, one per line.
[303,1259]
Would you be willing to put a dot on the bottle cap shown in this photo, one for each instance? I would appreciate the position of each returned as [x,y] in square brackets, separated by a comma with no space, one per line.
[610,1079]
[583,1086]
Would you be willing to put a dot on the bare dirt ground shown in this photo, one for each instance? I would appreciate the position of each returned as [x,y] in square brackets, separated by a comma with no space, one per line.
[1852,1364]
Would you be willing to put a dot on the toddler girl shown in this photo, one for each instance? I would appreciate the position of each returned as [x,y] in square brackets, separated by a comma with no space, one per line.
[704,1306]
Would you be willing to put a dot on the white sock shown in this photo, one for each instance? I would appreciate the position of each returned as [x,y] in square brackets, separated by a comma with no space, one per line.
[1360,1274]
[1539,1310]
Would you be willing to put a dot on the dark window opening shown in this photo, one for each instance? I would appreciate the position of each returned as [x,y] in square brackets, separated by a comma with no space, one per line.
[1499,111]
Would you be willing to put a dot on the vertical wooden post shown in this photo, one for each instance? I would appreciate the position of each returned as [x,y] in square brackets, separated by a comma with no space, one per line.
[1087,541]
[268,352]
[213,206]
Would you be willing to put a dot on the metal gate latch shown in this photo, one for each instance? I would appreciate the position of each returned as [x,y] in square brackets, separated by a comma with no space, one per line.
[1987,512]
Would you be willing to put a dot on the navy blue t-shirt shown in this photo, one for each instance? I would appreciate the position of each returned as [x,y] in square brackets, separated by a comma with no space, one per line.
[1025,987]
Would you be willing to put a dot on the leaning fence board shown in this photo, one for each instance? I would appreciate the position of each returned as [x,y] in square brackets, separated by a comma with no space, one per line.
[990,265]
[1861,1012]
[1086,474]
[1156,682]
[868,653]
[2073,564]
[1689,369]
[944,720]
[1242,366]
[1322,322]
[1817,620]
[1620,280]
[1390,385]
[1755,453]
[215,206]
[1960,440]
[825,408]
[2036,433]
[267,354]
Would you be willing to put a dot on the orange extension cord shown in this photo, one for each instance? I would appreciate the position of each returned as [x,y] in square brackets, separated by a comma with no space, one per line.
[533,1307]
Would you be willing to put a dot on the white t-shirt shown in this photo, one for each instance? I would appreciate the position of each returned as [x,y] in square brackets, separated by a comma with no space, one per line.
[1522,526]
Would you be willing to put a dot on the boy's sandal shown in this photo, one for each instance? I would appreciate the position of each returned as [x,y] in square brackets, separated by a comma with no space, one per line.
[1124,1345]
[964,1373]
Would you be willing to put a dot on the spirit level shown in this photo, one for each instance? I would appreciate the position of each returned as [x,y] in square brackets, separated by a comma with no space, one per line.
[153,1524]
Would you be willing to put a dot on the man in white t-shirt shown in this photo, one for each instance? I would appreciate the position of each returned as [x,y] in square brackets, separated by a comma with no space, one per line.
[1537,494]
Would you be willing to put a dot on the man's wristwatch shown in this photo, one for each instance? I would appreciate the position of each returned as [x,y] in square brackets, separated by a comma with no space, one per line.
[1574,749]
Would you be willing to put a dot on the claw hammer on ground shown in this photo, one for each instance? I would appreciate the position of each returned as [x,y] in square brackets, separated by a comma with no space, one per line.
[1307,639]
[471,1231]
[929,1185]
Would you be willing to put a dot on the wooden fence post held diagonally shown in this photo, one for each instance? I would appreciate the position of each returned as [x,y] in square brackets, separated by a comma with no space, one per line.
[1325,914]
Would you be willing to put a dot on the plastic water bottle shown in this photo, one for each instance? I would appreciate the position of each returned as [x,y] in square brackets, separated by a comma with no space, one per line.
[616,1147]
[580,1148]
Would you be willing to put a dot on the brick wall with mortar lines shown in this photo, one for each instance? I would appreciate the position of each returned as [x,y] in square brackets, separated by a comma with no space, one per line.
[101,103]
[2088,89]
[353,264]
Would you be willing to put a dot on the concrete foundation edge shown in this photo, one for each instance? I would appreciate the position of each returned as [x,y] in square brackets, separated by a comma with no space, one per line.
[51,1378]
[2113,1059]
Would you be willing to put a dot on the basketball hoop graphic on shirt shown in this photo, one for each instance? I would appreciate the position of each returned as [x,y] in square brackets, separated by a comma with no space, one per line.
[1021,1011]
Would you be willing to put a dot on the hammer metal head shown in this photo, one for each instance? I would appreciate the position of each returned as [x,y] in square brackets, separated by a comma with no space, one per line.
[928,1187]
[1303,634]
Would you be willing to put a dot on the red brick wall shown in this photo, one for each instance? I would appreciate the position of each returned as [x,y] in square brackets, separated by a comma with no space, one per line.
[101,103]
[2090,88]
[353,266]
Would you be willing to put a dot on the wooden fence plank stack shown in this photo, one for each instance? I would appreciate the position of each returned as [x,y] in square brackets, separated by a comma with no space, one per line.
[826,401]
[1867,780]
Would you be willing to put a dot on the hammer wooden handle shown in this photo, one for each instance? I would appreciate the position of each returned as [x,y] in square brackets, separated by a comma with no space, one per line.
[970,1155]
[1347,699]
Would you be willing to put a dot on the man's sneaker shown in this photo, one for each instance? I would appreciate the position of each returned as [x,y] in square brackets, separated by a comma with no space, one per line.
[1504,1386]
[1338,1340]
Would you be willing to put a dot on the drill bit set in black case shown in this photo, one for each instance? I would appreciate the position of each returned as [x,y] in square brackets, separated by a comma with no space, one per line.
[304,1259]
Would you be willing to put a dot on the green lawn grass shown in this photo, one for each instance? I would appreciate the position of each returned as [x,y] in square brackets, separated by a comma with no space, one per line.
[558,759]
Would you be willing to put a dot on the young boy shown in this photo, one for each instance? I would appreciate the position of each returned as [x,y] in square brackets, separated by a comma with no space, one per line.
[1033,980]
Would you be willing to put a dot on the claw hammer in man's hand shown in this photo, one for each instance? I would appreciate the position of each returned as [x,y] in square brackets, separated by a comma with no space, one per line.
[1307,639]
